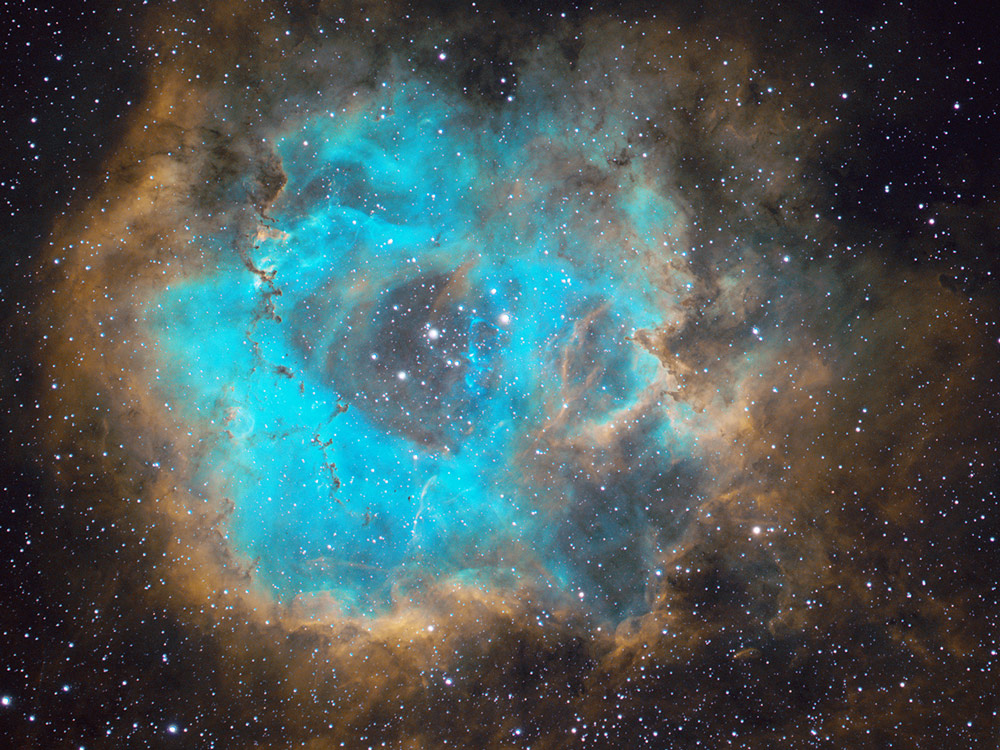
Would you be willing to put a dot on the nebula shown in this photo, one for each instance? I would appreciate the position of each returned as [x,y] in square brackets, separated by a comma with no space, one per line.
[483,378]
[429,363]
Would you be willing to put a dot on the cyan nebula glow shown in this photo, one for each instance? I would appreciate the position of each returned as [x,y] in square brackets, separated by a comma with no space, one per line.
[427,365]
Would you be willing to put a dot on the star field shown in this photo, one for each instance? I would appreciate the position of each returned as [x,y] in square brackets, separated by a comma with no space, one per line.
[417,375]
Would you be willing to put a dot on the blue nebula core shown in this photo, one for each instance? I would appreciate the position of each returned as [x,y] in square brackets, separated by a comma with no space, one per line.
[424,369]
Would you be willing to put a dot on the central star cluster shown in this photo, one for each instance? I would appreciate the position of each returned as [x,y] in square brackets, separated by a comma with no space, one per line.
[427,367]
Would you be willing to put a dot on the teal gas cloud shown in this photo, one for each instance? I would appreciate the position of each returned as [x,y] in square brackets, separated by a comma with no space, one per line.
[425,369]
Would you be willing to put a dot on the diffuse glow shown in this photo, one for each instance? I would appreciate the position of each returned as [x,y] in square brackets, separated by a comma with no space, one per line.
[484,376]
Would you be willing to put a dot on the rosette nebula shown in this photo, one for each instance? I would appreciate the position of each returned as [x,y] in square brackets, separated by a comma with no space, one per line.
[415,376]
